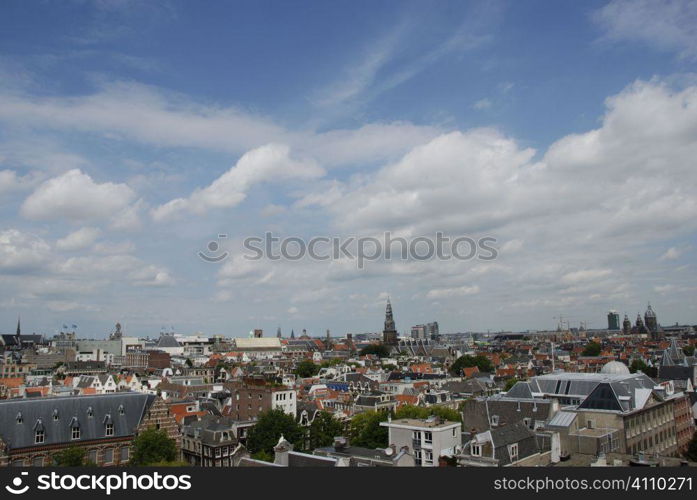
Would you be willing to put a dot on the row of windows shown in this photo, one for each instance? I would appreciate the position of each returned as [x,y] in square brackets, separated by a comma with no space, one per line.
[40,434]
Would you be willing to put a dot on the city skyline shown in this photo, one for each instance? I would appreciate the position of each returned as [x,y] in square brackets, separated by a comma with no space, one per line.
[134,134]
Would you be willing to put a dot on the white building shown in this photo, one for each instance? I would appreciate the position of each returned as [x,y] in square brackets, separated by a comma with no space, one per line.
[426,439]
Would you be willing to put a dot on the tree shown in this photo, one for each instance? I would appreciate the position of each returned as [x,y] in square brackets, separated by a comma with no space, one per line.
[153,446]
[189,363]
[691,453]
[70,457]
[592,349]
[638,365]
[306,368]
[270,426]
[323,429]
[379,350]
[689,350]
[365,430]
[480,361]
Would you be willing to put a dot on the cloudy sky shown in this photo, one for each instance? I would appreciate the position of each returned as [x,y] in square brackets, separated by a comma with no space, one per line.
[132,133]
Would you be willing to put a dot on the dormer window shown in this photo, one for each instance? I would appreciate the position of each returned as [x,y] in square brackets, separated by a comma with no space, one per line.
[55,415]
[74,429]
[494,420]
[121,410]
[39,436]
[19,418]
[476,450]
[109,430]
[90,412]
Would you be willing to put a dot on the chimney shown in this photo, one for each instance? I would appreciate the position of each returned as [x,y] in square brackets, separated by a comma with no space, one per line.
[340,443]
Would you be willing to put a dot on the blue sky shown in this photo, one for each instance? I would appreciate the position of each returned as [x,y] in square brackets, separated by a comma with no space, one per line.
[132,133]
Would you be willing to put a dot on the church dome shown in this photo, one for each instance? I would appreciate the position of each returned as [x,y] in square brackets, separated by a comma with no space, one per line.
[615,368]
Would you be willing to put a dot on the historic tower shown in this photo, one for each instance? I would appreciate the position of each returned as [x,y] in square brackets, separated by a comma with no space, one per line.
[650,320]
[389,334]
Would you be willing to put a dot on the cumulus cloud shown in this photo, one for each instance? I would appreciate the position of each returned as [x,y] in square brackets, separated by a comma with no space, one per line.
[268,163]
[77,240]
[75,196]
[22,252]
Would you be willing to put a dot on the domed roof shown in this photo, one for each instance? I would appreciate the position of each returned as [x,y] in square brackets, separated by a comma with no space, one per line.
[615,368]
[649,312]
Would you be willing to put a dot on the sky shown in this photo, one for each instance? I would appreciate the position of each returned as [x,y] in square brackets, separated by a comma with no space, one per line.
[133,133]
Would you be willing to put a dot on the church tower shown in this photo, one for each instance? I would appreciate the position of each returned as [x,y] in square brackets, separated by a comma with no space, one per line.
[389,334]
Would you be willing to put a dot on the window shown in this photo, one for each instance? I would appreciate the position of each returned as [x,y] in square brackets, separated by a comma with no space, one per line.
[109,430]
[39,436]
[124,453]
[92,456]
[75,434]
[476,450]
[494,420]
[108,455]
[37,462]
[416,435]
[121,410]
[90,412]
[55,415]
[513,452]
[428,437]
[454,431]
[19,418]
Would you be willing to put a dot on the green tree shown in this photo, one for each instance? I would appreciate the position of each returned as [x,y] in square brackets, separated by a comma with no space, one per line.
[70,457]
[379,350]
[189,363]
[270,426]
[263,456]
[323,429]
[306,368]
[480,361]
[689,350]
[153,446]
[592,349]
[365,430]
[638,365]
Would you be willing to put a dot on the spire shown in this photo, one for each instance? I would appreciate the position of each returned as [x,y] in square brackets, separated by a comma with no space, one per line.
[19,329]
[292,334]
[278,332]
[389,334]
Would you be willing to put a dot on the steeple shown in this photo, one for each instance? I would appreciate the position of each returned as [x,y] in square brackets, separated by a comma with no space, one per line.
[389,334]
[278,332]
[19,329]
[292,334]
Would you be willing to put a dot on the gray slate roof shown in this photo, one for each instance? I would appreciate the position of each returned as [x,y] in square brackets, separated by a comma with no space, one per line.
[71,411]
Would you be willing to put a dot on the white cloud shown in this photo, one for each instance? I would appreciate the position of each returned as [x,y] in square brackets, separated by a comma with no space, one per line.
[666,25]
[671,254]
[22,252]
[484,103]
[585,275]
[76,197]
[11,182]
[438,293]
[270,163]
[78,240]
